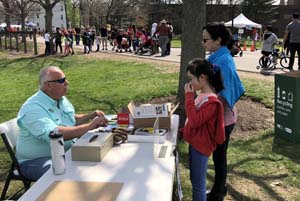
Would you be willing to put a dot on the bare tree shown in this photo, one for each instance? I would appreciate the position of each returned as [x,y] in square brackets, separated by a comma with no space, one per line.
[194,19]
[23,9]
[48,5]
[8,11]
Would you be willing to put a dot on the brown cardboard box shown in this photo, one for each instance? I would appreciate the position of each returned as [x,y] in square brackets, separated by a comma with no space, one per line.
[94,151]
[148,122]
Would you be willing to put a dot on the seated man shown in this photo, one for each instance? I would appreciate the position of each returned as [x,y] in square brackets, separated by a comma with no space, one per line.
[47,109]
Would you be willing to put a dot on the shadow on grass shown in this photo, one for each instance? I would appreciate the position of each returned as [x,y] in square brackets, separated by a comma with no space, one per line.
[286,148]
[291,150]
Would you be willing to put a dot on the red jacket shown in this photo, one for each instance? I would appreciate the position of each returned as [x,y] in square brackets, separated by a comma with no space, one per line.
[205,125]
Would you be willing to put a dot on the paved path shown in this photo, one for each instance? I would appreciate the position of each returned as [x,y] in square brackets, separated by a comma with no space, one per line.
[247,63]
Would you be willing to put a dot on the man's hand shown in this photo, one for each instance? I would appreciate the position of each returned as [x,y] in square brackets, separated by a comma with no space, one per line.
[100,114]
[98,121]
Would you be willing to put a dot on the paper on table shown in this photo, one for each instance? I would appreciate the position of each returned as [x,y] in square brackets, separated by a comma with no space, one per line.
[79,190]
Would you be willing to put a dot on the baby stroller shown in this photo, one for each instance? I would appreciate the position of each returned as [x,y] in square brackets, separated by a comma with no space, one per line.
[236,48]
[147,48]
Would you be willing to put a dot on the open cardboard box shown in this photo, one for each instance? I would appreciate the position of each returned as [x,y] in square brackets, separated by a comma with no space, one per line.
[148,121]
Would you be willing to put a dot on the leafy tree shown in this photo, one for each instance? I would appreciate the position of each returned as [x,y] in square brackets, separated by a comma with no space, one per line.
[261,11]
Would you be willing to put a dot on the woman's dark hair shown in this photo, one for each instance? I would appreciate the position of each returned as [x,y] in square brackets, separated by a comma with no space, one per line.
[218,30]
[200,66]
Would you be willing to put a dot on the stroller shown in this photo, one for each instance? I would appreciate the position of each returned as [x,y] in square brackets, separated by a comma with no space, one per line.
[236,48]
[149,47]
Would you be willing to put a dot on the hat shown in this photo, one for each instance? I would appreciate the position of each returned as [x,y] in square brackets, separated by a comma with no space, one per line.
[163,22]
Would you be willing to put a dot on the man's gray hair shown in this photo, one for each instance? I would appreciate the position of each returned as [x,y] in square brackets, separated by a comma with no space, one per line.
[45,75]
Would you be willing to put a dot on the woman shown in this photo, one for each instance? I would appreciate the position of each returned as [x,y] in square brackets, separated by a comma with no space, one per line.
[215,39]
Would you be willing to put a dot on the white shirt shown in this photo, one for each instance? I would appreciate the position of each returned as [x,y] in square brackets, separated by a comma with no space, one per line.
[47,37]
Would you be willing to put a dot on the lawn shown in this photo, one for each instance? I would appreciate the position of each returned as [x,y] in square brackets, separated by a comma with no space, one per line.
[261,167]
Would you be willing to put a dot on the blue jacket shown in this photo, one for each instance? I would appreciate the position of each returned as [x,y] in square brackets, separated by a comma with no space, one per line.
[233,87]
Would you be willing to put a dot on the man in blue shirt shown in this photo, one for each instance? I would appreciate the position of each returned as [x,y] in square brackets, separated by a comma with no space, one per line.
[47,109]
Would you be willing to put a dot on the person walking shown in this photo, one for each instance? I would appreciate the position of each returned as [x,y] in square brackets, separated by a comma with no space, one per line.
[294,29]
[215,38]
[163,32]
[204,127]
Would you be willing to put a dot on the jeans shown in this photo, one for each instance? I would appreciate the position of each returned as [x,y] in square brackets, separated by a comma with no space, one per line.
[198,168]
[162,41]
[34,169]
[220,162]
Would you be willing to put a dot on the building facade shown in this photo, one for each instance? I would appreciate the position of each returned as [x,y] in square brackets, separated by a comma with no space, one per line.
[58,20]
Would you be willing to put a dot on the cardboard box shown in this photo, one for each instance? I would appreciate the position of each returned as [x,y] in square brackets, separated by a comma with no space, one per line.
[147,122]
[95,151]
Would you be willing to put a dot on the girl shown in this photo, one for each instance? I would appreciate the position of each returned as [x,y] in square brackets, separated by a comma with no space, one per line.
[215,38]
[204,128]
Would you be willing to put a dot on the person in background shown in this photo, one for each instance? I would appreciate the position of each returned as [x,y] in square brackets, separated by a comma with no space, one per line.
[71,41]
[286,45]
[47,42]
[294,29]
[58,36]
[168,47]
[163,32]
[204,127]
[103,33]
[215,39]
[46,110]
[269,41]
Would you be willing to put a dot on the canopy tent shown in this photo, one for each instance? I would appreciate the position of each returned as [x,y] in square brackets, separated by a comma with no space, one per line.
[2,25]
[241,21]
[31,24]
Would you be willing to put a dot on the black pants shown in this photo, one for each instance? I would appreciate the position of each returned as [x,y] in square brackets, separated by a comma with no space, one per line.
[58,44]
[47,49]
[294,47]
[220,162]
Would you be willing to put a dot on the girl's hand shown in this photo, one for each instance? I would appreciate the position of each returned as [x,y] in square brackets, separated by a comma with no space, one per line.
[188,88]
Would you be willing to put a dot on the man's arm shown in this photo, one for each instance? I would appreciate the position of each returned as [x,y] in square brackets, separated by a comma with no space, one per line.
[85,118]
[285,35]
[70,132]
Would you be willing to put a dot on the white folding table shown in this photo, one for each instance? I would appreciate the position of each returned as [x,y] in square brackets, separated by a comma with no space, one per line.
[144,177]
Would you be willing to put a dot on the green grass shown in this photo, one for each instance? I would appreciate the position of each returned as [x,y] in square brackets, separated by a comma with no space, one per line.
[109,85]
[176,43]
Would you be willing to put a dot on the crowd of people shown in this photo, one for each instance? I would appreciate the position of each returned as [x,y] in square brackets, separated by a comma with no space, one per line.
[138,40]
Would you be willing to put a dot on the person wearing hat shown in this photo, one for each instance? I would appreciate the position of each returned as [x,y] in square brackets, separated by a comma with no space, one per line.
[163,32]
[294,29]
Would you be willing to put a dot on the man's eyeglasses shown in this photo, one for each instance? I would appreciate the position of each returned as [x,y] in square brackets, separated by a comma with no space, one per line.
[205,40]
[60,81]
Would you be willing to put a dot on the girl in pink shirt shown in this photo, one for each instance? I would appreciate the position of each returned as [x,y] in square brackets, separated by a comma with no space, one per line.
[204,128]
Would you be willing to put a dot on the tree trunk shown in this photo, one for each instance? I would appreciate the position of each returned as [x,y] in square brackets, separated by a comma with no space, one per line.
[194,19]
[48,20]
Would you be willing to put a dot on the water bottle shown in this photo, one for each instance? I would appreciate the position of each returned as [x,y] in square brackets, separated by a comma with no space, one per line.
[57,152]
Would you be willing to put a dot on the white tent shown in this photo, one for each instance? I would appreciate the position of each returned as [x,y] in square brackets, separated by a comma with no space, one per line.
[31,24]
[241,21]
[2,25]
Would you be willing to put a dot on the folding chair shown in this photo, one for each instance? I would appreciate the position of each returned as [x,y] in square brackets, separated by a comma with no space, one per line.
[9,132]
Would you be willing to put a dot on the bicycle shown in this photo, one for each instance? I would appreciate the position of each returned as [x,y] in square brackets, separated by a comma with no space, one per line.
[271,60]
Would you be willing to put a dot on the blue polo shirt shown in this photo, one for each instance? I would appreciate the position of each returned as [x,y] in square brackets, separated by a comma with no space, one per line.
[37,117]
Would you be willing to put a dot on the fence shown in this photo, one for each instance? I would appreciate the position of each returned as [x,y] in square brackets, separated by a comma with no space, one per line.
[17,41]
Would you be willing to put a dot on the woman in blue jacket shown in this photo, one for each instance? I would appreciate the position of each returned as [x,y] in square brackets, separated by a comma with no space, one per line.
[215,40]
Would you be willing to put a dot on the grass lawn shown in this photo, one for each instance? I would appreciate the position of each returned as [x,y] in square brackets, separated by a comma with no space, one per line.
[261,167]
